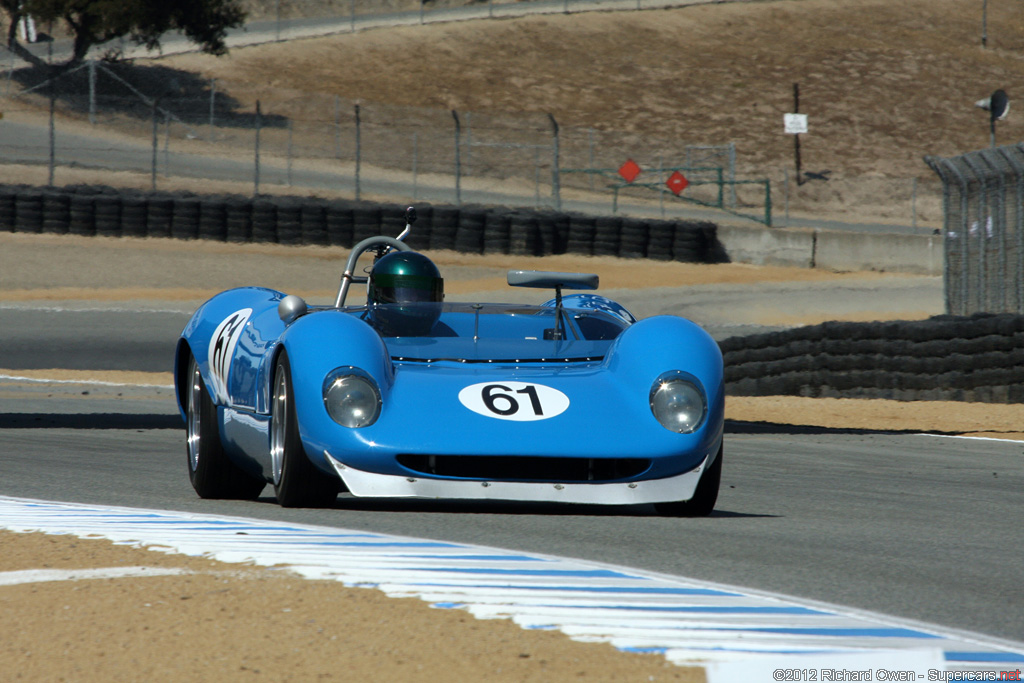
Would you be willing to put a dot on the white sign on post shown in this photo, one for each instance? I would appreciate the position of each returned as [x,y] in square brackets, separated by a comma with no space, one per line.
[796,124]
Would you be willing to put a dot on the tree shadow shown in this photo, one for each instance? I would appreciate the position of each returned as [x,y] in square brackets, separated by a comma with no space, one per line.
[128,89]
[90,421]
[737,427]
[421,506]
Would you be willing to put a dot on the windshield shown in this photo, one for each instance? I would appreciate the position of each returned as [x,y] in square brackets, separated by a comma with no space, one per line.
[493,321]
[490,332]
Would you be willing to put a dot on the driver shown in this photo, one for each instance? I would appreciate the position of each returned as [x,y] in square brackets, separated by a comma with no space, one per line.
[404,290]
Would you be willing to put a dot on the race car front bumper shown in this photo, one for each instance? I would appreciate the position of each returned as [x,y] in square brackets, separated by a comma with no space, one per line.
[670,489]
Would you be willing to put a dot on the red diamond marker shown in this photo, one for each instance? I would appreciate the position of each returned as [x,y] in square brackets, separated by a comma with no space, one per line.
[629,170]
[677,182]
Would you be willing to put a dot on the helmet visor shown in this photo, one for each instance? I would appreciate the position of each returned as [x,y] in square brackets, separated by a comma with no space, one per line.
[401,289]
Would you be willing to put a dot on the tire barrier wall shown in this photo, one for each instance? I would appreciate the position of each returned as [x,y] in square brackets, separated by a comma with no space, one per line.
[113,212]
[980,358]
[945,358]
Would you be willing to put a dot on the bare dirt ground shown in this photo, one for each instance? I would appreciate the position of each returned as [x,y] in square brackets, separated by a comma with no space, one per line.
[883,83]
[230,623]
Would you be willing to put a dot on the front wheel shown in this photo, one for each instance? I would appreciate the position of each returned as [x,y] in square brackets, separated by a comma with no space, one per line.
[704,498]
[297,481]
[211,472]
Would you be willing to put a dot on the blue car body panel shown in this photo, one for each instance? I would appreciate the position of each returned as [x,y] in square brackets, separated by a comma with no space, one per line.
[584,398]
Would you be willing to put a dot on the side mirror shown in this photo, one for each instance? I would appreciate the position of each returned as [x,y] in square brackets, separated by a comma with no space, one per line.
[291,308]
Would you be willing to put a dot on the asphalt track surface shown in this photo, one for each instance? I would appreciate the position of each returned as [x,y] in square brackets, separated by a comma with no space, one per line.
[909,525]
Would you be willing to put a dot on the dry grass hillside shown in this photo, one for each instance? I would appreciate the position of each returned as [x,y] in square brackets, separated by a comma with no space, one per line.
[883,83]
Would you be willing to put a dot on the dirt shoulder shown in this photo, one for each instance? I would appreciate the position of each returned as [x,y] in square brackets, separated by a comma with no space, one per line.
[221,622]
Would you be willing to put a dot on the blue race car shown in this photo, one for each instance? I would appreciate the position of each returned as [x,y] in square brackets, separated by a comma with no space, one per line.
[407,395]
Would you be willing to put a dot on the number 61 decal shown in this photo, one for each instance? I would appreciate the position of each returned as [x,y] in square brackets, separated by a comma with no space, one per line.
[518,401]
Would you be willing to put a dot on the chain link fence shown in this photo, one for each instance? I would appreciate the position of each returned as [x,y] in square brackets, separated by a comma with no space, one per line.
[168,123]
[983,202]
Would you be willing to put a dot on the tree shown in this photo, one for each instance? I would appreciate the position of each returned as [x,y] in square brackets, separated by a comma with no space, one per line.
[144,22]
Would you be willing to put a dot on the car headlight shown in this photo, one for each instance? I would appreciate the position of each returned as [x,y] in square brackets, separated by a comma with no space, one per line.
[351,397]
[678,402]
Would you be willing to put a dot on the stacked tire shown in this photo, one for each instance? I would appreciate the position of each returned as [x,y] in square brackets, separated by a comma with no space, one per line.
[56,213]
[100,210]
[444,227]
[338,218]
[134,208]
[28,211]
[469,233]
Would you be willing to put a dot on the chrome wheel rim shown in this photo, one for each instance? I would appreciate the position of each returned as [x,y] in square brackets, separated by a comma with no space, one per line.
[278,426]
[195,395]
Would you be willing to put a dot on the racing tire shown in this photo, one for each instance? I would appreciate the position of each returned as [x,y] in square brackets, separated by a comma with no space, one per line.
[133,215]
[184,218]
[8,196]
[704,498]
[313,223]
[212,474]
[297,481]
[158,216]
[339,223]
[56,212]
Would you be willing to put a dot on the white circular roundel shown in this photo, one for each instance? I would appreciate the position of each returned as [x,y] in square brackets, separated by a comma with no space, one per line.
[518,401]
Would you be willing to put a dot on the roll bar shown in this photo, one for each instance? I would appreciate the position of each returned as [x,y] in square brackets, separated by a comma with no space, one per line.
[382,244]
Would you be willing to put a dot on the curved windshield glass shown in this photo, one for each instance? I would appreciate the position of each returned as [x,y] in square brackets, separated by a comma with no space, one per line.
[494,321]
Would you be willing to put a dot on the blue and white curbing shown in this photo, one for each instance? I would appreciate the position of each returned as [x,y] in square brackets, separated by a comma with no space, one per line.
[736,634]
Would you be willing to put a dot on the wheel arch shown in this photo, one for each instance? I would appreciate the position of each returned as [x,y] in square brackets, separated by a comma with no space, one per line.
[182,353]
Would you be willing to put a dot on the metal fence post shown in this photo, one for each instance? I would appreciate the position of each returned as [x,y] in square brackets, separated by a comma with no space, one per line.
[962,305]
[732,174]
[256,161]
[1016,163]
[156,146]
[92,91]
[53,131]
[996,287]
[913,205]
[359,151]
[469,143]
[213,102]
[167,144]
[458,160]
[981,226]
[290,152]
[556,180]
[337,127]
[415,162]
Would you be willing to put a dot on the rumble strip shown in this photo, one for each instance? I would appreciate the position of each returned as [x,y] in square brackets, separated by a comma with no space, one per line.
[736,633]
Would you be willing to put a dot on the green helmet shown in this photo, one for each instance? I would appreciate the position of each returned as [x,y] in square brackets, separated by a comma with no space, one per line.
[402,285]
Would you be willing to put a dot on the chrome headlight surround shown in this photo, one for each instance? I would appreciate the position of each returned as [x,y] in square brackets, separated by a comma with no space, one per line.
[679,402]
[351,397]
